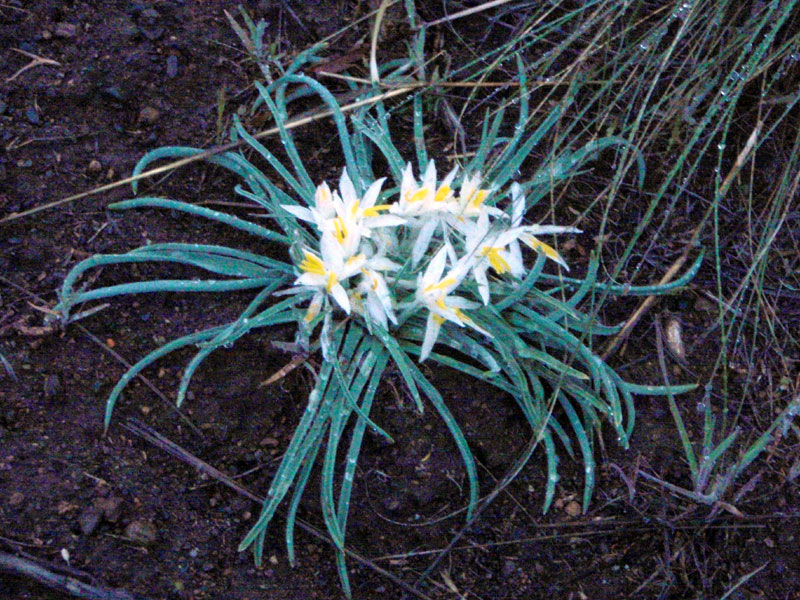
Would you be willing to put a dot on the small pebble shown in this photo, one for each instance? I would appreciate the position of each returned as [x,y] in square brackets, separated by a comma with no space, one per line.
[141,532]
[65,30]
[573,509]
[89,519]
[16,499]
[32,115]
[110,507]
[94,166]
[150,24]
[149,115]
[172,66]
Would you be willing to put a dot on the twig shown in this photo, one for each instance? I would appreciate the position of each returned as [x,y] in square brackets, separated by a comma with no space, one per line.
[678,264]
[35,62]
[16,565]
[466,12]
[144,380]
[522,460]
[96,340]
[298,122]
[158,440]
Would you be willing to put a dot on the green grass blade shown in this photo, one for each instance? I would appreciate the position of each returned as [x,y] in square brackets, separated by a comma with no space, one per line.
[201,211]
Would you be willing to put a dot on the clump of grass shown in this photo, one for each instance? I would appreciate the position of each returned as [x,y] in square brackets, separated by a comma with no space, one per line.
[374,280]
[666,87]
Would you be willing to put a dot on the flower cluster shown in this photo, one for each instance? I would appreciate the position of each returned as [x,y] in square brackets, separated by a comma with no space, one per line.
[367,250]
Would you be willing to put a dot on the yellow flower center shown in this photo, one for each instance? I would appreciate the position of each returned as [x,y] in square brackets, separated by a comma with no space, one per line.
[376,210]
[312,264]
[499,264]
[443,193]
[443,284]
[477,198]
[332,281]
[419,195]
[339,229]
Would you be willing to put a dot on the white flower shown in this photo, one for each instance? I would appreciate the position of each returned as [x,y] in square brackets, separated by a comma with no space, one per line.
[425,206]
[355,218]
[471,199]
[326,273]
[322,211]
[378,298]
[526,234]
[417,200]
[490,249]
[433,293]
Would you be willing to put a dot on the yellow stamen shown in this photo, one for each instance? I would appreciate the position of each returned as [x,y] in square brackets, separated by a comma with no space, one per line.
[332,281]
[438,320]
[312,264]
[460,314]
[540,246]
[419,195]
[376,210]
[354,210]
[443,284]
[442,193]
[476,199]
[354,259]
[340,229]
[499,264]
[313,311]
[440,303]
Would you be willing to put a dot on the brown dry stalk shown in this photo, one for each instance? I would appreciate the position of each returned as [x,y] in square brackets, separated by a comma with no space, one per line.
[678,264]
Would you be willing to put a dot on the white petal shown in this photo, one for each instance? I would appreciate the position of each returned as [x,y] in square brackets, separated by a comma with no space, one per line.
[431,333]
[375,311]
[300,212]
[429,179]
[468,187]
[311,280]
[338,293]
[323,200]
[332,252]
[448,313]
[506,237]
[423,241]
[483,282]
[478,328]
[347,189]
[408,185]
[448,180]
[381,263]
[459,302]
[382,294]
[549,229]
[371,195]
[352,266]
[514,259]
[385,220]
[435,268]
[339,205]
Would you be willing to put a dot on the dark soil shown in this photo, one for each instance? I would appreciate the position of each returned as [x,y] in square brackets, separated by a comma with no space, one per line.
[134,76]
